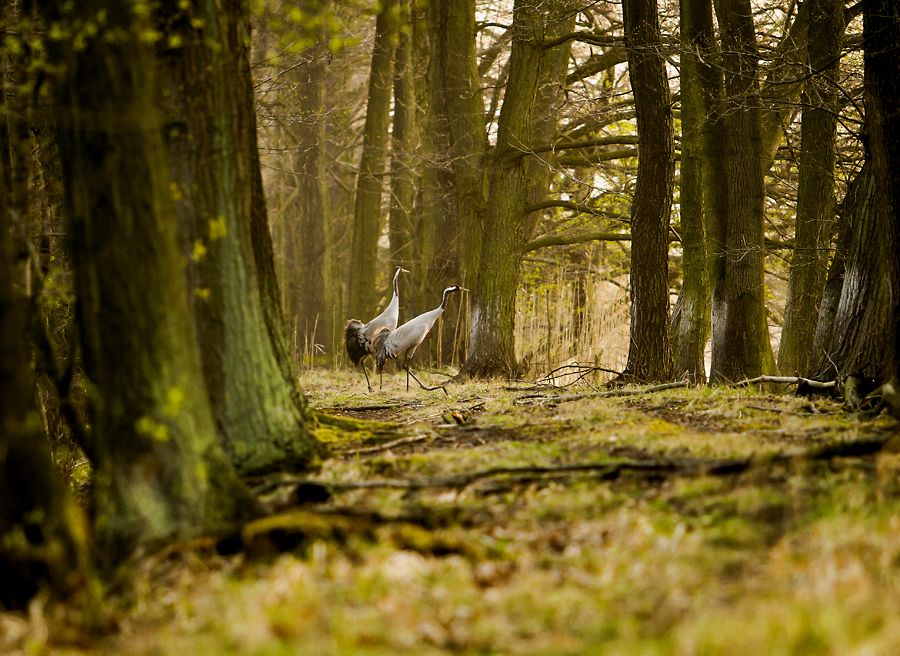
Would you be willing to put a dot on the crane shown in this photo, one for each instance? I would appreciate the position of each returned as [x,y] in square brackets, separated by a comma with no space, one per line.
[391,343]
[358,336]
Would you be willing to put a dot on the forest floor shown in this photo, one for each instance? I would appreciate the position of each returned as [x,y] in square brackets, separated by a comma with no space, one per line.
[525,521]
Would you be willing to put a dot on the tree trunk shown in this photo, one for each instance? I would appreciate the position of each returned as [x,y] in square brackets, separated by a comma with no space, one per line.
[694,324]
[221,213]
[815,199]
[649,354]
[452,220]
[741,346]
[305,215]
[881,29]
[492,303]
[44,540]
[362,288]
[861,324]
[404,138]
[160,472]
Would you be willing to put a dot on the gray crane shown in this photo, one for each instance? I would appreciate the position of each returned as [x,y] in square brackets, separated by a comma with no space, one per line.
[358,336]
[391,343]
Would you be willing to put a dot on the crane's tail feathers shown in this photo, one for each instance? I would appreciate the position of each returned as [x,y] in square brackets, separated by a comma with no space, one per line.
[355,341]
[381,346]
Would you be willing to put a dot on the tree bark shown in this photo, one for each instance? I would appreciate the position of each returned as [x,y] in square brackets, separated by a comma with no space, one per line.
[44,538]
[307,242]
[649,354]
[693,326]
[214,162]
[362,288]
[492,302]
[741,346]
[861,323]
[452,220]
[881,31]
[815,198]
[160,472]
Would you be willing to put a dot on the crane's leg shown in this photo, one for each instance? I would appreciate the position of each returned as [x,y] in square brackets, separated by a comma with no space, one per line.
[430,389]
[368,384]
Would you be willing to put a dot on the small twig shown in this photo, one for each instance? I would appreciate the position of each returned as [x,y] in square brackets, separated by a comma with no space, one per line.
[786,380]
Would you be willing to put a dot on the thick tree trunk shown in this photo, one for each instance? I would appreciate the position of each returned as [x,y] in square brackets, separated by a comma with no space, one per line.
[649,354]
[741,346]
[881,29]
[221,210]
[815,199]
[362,287]
[452,220]
[861,324]
[693,325]
[160,473]
[492,303]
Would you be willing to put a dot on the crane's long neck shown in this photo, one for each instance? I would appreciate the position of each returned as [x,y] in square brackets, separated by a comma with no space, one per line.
[447,293]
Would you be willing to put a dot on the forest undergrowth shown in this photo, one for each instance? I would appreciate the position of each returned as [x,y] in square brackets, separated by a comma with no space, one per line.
[507,519]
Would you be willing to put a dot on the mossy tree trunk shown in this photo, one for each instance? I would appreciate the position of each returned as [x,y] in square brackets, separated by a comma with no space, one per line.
[214,164]
[649,353]
[160,472]
[492,303]
[693,326]
[363,290]
[741,346]
[815,198]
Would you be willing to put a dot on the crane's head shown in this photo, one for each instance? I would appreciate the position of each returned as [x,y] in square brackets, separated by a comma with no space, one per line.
[398,270]
[455,288]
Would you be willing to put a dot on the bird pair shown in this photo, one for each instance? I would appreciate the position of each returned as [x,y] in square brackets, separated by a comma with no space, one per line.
[381,337]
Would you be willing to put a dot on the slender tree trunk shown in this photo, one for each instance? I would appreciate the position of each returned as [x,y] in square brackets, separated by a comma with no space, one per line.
[815,199]
[305,215]
[741,346]
[362,289]
[649,354]
[44,539]
[881,29]
[694,324]
[160,473]
[404,137]
[221,209]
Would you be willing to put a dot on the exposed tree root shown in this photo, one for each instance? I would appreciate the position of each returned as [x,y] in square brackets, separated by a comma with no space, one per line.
[661,468]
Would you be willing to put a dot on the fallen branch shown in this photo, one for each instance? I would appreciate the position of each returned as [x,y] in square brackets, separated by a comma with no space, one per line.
[609,393]
[786,380]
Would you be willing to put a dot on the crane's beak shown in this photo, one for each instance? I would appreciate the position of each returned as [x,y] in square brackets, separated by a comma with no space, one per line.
[463,289]
[402,270]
